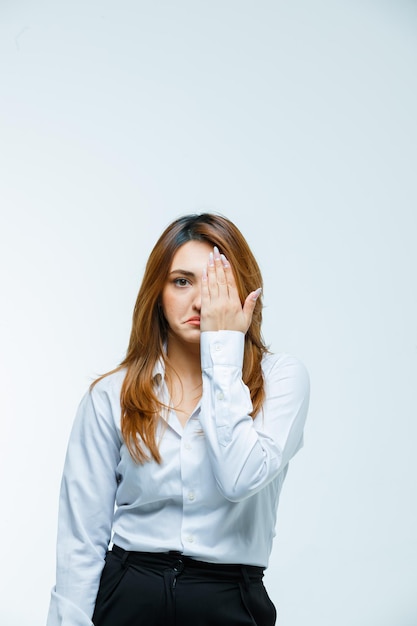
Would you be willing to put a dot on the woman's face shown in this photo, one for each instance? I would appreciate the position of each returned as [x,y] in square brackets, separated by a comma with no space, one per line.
[181,295]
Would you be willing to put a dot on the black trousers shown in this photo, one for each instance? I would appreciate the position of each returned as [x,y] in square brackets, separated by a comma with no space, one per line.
[169,589]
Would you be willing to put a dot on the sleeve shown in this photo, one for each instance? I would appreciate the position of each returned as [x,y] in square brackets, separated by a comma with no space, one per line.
[246,454]
[86,508]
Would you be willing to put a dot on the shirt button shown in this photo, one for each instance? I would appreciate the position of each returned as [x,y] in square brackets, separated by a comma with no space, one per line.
[187,446]
[190,538]
[217,347]
[220,395]
[191,495]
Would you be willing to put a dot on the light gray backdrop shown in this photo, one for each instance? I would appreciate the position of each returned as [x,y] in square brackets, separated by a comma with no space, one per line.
[296,119]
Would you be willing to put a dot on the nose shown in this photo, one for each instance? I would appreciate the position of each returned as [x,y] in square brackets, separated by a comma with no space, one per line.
[197,301]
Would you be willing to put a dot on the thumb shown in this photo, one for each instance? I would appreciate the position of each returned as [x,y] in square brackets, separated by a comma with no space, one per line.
[250,303]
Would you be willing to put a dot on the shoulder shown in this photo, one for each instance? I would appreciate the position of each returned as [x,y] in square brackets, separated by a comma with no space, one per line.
[111,380]
[99,410]
[109,386]
[283,366]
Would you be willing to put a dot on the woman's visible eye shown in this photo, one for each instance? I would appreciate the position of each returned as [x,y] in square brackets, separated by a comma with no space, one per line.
[181,282]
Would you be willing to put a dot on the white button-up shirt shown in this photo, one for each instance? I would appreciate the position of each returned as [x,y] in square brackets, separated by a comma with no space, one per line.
[215,494]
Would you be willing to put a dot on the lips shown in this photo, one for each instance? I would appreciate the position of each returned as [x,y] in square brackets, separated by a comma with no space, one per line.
[193,320]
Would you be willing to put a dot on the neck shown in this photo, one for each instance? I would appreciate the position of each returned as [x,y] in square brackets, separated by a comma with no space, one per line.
[184,359]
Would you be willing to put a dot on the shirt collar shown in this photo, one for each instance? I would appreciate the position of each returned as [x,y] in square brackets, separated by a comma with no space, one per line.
[158,374]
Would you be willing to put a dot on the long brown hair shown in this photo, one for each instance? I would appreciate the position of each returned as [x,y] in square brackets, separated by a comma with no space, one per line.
[139,403]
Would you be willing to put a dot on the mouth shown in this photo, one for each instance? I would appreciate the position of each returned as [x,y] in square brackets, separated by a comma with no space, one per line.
[194,321]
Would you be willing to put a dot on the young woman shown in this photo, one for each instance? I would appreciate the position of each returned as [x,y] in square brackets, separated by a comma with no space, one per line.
[177,458]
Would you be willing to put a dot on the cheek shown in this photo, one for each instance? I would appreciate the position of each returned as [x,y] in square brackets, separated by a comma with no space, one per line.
[168,303]
[164,303]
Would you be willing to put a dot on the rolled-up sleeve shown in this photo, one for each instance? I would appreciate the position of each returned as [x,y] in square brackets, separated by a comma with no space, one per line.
[86,510]
[246,454]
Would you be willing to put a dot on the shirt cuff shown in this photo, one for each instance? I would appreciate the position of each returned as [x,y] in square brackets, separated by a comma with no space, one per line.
[222,347]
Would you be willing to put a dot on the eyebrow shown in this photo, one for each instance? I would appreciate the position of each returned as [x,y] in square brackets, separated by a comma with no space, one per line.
[183,272]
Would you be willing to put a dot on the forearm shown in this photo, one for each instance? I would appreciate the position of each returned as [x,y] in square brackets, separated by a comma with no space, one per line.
[86,509]
[247,454]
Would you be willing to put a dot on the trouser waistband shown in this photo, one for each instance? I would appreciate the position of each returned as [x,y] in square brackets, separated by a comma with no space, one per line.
[178,562]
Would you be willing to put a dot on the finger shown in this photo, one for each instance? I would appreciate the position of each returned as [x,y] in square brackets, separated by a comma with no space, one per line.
[211,277]
[220,273]
[205,295]
[249,305]
[230,279]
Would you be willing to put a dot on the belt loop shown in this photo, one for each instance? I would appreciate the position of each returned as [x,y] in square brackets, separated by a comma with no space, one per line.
[125,556]
[245,577]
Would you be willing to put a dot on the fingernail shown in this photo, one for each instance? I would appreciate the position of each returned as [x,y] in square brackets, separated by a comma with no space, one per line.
[216,253]
[257,293]
[211,259]
[224,261]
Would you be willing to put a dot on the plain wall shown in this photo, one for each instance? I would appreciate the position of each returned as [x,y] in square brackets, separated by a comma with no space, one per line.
[295,119]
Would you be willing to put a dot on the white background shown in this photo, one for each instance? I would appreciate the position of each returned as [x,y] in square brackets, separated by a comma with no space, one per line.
[297,120]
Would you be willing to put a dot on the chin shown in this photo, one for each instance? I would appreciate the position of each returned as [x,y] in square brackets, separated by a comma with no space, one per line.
[194,337]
